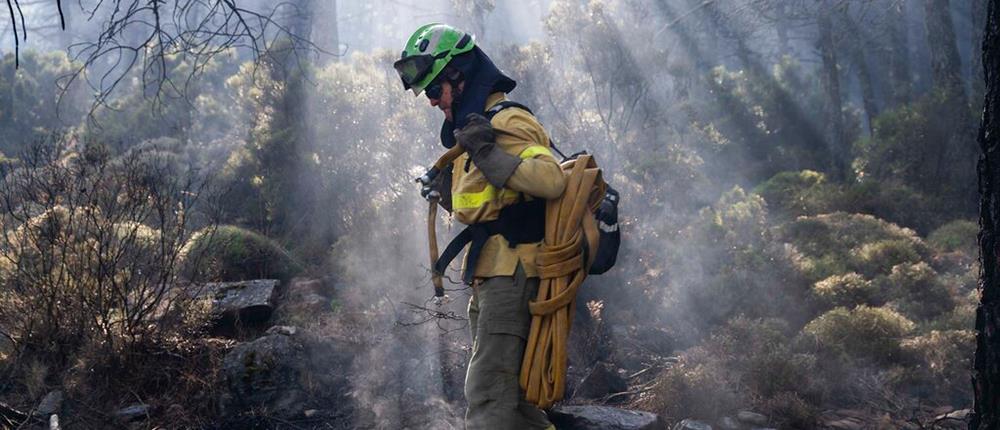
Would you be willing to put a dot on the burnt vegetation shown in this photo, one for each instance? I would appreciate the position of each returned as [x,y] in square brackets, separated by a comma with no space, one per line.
[797,177]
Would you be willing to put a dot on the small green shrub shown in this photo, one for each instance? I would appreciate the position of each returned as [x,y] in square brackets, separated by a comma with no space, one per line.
[835,243]
[880,257]
[689,389]
[231,253]
[916,290]
[789,410]
[961,317]
[916,145]
[893,202]
[943,364]
[871,333]
[799,193]
[959,235]
[850,289]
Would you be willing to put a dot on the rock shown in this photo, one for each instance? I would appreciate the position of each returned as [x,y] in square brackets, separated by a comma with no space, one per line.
[728,423]
[751,418]
[844,419]
[603,379]
[264,375]
[303,301]
[50,404]
[132,413]
[690,424]
[655,339]
[602,418]
[244,302]
[284,330]
[954,419]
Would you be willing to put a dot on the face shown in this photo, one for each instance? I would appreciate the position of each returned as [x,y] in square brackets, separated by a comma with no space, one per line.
[447,98]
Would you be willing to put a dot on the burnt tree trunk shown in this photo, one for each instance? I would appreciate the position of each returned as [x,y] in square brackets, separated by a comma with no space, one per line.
[986,373]
[946,66]
[956,149]
[978,19]
[830,76]
[326,36]
[899,54]
[856,49]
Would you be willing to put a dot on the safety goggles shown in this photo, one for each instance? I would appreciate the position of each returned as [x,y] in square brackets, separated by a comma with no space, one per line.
[415,68]
[434,90]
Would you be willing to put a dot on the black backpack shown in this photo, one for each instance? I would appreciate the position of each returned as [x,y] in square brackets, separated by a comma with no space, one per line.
[606,214]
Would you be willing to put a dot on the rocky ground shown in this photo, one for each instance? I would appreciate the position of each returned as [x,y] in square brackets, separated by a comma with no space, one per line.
[287,365]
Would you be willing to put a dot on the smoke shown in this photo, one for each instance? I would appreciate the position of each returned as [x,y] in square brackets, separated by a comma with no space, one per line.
[687,105]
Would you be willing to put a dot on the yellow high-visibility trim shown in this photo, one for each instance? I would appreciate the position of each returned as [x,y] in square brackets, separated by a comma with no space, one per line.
[476,200]
[534,150]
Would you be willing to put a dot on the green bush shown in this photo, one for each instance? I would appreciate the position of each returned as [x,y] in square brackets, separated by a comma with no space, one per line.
[748,362]
[916,146]
[688,389]
[759,349]
[943,364]
[916,290]
[870,333]
[734,266]
[230,253]
[800,193]
[959,235]
[880,257]
[839,242]
[961,317]
[850,289]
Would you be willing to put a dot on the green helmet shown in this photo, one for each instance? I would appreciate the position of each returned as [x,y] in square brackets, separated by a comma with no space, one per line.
[428,51]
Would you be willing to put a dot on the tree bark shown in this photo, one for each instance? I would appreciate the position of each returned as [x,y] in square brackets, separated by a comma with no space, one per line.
[784,48]
[946,66]
[856,49]
[326,36]
[830,77]
[978,20]
[986,371]
[899,54]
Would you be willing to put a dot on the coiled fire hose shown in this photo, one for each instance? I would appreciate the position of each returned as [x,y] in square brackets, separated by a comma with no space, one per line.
[562,269]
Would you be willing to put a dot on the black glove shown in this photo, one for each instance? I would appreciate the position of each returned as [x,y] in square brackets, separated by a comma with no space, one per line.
[435,185]
[607,212]
[476,135]
[479,141]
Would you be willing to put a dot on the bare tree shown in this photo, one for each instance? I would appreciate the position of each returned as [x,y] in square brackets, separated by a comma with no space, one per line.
[90,248]
[145,35]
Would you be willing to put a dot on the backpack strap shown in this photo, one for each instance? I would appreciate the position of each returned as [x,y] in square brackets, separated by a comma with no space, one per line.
[493,111]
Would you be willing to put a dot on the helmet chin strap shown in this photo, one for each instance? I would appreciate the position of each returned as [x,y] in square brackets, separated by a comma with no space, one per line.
[456,99]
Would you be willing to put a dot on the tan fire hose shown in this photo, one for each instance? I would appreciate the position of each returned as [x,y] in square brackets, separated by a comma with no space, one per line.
[562,269]
[426,179]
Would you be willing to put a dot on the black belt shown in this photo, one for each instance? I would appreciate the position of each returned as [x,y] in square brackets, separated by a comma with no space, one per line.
[522,222]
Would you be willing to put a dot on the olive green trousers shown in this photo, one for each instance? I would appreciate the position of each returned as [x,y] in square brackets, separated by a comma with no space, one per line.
[499,319]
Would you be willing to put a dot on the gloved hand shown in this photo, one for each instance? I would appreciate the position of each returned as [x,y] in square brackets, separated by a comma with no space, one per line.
[479,141]
[477,134]
[607,212]
[436,186]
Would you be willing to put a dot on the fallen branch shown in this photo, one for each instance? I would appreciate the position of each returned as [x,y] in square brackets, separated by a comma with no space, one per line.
[13,418]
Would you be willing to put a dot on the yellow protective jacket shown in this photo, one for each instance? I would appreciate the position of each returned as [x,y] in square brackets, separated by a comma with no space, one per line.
[474,200]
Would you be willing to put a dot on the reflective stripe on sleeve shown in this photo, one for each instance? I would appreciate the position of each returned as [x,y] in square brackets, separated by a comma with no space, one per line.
[476,200]
[534,150]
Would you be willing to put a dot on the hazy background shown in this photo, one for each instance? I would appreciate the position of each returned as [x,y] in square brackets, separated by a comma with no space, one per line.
[797,179]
